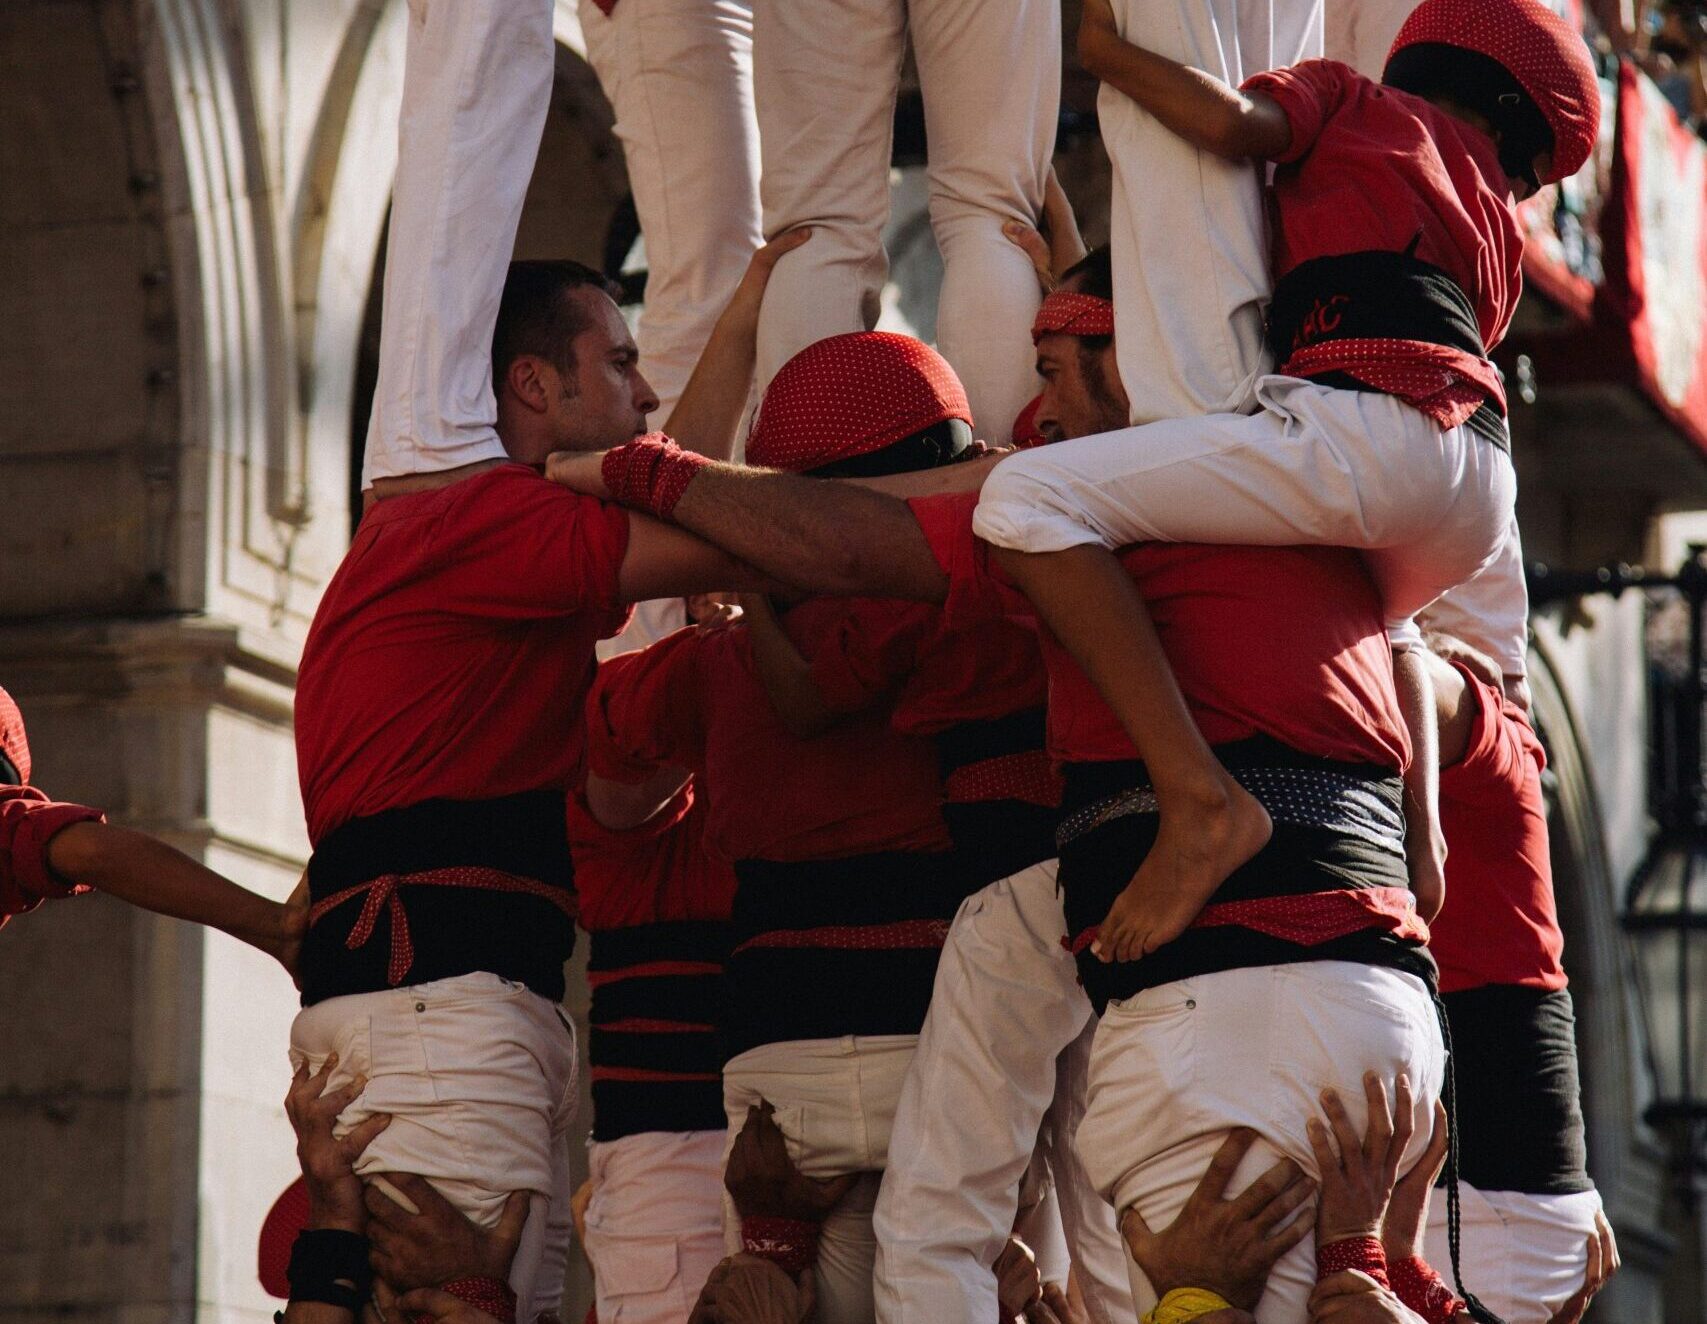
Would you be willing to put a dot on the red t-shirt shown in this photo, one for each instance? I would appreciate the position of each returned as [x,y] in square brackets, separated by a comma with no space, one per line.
[1285,642]
[1372,169]
[1499,924]
[695,700]
[657,873]
[453,647]
[936,672]
[28,822]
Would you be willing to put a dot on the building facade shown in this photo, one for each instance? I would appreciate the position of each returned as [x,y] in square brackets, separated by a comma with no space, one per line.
[193,196]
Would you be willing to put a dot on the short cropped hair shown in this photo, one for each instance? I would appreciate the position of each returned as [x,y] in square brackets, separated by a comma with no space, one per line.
[537,315]
[1093,274]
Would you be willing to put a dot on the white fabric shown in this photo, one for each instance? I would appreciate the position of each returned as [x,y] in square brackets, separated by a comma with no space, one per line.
[1523,1255]
[1188,316]
[476,86]
[679,74]
[1492,604]
[654,1223]
[835,1102]
[1002,1055]
[826,77]
[652,620]
[479,1076]
[1361,32]
[1176,1067]
[1428,508]
[1038,1221]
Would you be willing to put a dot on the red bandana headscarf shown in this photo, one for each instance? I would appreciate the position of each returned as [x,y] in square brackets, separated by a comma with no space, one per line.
[851,395]
[1067,314]
[13,743]
[1539,49]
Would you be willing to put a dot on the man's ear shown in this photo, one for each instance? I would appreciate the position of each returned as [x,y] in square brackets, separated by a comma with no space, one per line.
[526,381]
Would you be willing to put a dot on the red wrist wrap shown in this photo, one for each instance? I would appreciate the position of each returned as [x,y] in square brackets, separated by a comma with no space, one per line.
[650,473]
[1417,1284]
[487,1294]
[788,1243]
[1361,1253]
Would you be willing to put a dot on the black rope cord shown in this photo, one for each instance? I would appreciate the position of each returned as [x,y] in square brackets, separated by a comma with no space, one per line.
[1477,1310]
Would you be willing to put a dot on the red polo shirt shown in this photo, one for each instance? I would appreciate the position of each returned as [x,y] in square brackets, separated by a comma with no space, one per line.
[657,873]
[28,822]
[1371,168]
[453,647]
[1285,642]
[1499,924]
[694,700]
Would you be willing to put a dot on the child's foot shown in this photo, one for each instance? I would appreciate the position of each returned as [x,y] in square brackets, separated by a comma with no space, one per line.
[1200,842]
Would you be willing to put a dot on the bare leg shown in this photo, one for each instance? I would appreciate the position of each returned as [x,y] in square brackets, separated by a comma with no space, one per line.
[1210,824]
[1425,845]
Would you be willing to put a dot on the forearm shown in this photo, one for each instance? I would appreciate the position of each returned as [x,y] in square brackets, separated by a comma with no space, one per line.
[819,537]
[1195,106]
[136,868]
[786,676]
[707,417]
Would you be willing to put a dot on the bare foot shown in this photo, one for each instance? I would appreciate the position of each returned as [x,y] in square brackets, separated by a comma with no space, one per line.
[1199,843]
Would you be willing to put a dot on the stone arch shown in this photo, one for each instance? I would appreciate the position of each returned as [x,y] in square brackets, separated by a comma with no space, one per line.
[89,311]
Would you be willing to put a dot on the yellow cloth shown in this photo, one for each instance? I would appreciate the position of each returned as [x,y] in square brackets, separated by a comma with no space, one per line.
[1186,1303]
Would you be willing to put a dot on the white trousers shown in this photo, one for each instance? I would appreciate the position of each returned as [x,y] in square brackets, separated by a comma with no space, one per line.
[1429,508]
[655,1223]
[476,86]
[1187,229]
[679,74]
[1178,1066]
[1001,1060]
[826,77]
[1361,32]
[835,1101]
[1523,1255]
[479,1077]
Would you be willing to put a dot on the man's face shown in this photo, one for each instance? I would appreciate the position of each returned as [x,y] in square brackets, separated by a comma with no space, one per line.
[605,401]
[1082,392]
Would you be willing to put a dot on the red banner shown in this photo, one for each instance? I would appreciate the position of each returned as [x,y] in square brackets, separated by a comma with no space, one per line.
[1654,229]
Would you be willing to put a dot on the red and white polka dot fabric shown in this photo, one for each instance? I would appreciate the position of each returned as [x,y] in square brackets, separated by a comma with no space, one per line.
[1538,48]
[1065,313]
[13,743]
[850,395]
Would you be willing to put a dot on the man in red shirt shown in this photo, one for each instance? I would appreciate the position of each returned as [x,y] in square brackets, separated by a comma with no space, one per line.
[438,731]
[1529,1206]
[655,905]
[1397,266]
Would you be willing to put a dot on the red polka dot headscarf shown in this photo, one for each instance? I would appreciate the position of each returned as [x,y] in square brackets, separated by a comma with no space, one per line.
[14,746]
[1540,50]
[852,395]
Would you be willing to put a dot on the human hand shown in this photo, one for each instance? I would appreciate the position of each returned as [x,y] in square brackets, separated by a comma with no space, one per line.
[1450,648]
[1351,1297]
[1603,1262]
[441,1307]
[285,944]
[1019,1286]
[750,291]
[731,609]
[328,1163]
[440,1243]
[1407,1211]
[763,1180]
[1224,1246]
[1358,1181]
[745,1289]
[578,1203]
[579,471]
[1056,1306]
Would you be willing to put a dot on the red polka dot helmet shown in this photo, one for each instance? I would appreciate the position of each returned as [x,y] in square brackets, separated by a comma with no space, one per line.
[14,745]
[853,395]
[1543,54]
